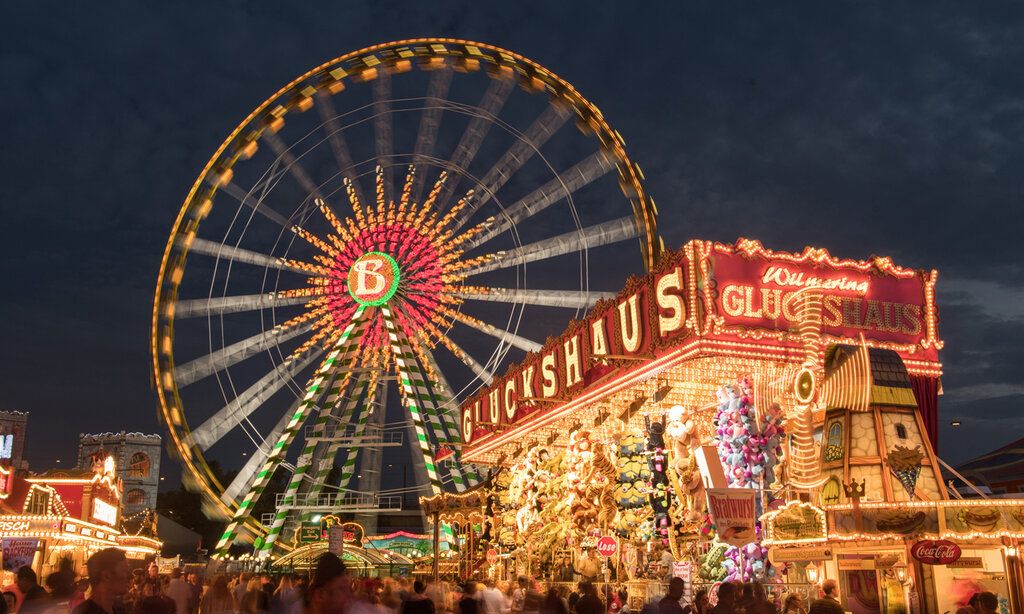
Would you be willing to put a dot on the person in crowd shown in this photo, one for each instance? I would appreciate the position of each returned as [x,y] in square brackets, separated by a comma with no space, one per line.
[435,592]
[761,604]
[553,603]
[330,590]
[241,586]
[268,586]
[829,603]
[624,600]
[418,602]
[179,591]
[469,604]
[493,600]
[34,598]
[61,585]
[218,598]
[195,591]
[519,594]
[108,577]
[988,603]
[726,599]
[669,604]
[285,599]
[794,604]
[589,602]
[10,601]
[154,599]
[254,601]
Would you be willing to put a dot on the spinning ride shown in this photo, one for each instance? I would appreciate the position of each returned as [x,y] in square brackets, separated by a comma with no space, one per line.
[384,237]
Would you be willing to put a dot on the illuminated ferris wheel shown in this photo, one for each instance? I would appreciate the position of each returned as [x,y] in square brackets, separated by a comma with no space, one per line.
[382,226]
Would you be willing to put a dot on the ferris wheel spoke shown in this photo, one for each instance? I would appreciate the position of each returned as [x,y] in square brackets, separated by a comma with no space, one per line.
[549,122]
[382,128]
[339,145]
[446,406]
[256,204]
[228,417]
[203,307]
[259,456]
[238,254]
[583,173]
[504,336]
[480,123]
[606,233]
[291,163]
[205,366]
[430,122]
[569,299]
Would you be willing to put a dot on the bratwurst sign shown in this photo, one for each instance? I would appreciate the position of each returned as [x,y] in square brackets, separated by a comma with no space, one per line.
[741,296]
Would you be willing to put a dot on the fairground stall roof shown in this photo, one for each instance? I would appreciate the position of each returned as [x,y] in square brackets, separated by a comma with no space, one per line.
[707,313]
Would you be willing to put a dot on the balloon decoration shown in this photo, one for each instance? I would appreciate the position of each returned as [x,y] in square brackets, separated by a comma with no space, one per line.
[750,446]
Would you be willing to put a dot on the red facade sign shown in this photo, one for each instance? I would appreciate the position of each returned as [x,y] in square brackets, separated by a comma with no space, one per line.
[935,551]
[607,546]
[739,297]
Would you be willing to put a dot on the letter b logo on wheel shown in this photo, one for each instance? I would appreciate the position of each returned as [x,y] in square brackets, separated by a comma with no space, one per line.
[373,278]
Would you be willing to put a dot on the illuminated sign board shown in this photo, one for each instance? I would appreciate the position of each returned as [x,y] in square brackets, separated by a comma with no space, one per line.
[734,294]
[104,512]
[28,524]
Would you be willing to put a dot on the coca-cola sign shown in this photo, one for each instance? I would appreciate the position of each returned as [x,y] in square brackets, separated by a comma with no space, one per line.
[935,551]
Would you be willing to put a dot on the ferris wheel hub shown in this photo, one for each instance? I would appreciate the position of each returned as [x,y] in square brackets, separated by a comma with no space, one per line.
[373,278]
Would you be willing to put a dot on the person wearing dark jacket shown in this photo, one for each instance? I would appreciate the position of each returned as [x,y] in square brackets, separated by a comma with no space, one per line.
[35,599]
[589,602]
[829,604]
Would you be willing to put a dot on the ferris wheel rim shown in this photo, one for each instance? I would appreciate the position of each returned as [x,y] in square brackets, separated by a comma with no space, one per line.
[161,298]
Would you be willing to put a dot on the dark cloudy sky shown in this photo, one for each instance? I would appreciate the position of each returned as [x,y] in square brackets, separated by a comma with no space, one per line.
[859,126]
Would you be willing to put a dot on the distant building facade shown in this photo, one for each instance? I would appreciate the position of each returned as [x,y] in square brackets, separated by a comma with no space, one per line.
[137,456]
[13,425]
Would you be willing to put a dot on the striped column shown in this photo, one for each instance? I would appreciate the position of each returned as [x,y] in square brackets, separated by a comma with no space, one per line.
[410,385]
[347,342]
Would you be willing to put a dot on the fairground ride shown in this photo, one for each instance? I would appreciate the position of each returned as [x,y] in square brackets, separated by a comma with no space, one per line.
[391,217]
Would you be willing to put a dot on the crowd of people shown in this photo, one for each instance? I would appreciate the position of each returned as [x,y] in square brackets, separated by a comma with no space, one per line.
[112,588]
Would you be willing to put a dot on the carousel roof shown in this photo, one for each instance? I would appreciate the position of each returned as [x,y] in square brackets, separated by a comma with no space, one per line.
[307,555]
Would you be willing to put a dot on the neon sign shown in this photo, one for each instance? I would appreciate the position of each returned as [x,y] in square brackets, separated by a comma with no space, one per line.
[104,512]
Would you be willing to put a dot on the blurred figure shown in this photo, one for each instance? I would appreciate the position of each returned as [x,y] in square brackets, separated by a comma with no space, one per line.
[254,601]
[493,600]
[286,598]
[794,604]
[195,592]
[589,602]
[239,589]
[154,601]
[331,589]
[418,602]
[669,604]
[553,603]
[701,603]
[218,598]
[108,576]
[761,604]
[34,598]
[10,601]
[435,592]
[726,599]
[829,604]
[179,591]
[988,603]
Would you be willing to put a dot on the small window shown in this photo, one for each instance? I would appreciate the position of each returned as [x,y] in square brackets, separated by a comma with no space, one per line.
[834,442]
[139,466]
[135,496]
[901,431]
[831,493]
[40,503]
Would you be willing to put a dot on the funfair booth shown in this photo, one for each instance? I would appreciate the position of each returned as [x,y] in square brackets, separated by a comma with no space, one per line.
[65,514]
[741,413]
